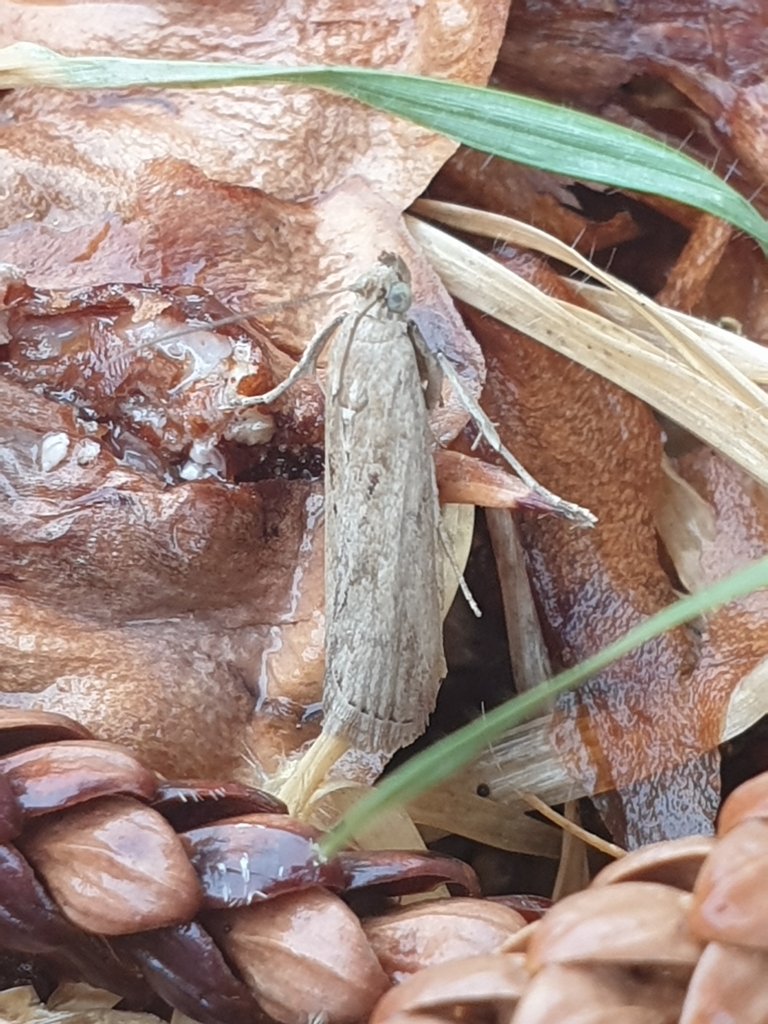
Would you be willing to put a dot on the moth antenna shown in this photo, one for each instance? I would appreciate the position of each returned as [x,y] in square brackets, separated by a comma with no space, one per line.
[307,362]
[234,318]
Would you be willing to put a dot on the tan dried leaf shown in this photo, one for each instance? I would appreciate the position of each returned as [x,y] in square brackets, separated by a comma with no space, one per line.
[22,1006]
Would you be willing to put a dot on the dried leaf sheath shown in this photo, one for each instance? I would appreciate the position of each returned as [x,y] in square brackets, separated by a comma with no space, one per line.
[384,657]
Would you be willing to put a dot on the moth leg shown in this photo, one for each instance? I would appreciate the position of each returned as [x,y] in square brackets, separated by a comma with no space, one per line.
[469,597]
[567,509]
[306,364]
[429,367]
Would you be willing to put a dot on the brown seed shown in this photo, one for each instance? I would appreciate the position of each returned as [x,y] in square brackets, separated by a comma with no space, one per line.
[114,867]
[53,776]
[675,862]
[750,800]
[30,921]
[20,728]
[600,994]
[186,969]
[419,1018]
[258,856]
[729,984]
[493,982]
[10,812]
[400,872]
[630,923]
[411,938]
[304,955]
[730,899]
[190,804]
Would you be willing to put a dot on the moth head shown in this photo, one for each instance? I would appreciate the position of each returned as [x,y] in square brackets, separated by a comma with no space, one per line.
[398,297]
[398,293]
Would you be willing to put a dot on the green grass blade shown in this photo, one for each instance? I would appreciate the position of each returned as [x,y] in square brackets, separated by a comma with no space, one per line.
[448,755]
[524,130]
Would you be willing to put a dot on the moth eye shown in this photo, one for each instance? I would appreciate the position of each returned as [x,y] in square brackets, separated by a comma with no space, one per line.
[398,297]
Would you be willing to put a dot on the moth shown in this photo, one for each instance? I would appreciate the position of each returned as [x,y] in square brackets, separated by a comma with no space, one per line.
[383,545]
[383,552]
[383,578]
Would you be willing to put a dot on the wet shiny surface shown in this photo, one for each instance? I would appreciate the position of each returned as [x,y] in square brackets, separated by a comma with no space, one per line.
[115,867]
[711,53]
[255,858]
[190,804]
[10,812]
[689,72]
[139,364]
[283,952]
[19,729]
[396,873]
[408,939]
[29,920]
[58,775]
[186,969]
[117,587]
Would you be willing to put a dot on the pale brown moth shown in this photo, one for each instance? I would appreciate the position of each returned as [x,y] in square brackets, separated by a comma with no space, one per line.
[383,546]
[383,578]
[384,650]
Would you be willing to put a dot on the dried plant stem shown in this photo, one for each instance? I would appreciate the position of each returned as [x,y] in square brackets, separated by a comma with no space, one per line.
[728,412]
[310,771]
[573,869]
[530,665]
[611,849]
[689,277]
[687,342]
